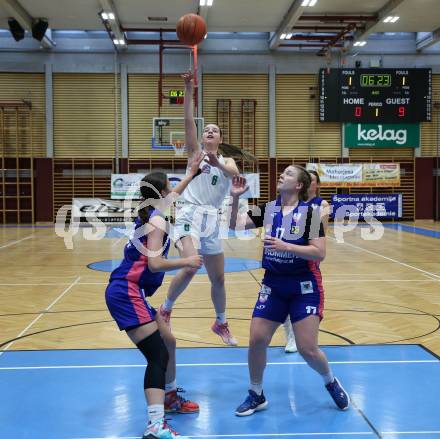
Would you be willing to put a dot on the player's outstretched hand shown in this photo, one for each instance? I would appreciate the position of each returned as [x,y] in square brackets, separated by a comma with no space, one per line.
[195,163]
[194,261]
[239,186]
[212,159]
[188,79]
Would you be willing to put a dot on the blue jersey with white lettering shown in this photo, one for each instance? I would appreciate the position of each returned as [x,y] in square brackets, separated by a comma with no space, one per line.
[134,266]
[315,202]
[297,227]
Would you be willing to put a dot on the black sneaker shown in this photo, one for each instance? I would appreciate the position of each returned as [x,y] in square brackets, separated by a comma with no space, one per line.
[339,395]
[253,403]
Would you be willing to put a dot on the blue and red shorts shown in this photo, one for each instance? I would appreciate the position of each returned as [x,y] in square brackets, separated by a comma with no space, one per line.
[127,304]
[297,297]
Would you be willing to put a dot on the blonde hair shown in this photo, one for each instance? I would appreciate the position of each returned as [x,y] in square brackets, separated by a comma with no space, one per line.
[305,179]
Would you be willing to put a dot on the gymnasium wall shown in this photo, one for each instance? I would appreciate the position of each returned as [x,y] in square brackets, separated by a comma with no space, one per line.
[85,123]
[29,87]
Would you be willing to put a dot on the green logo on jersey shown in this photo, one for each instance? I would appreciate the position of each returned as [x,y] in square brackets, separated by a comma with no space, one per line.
[214,180]
[186,227]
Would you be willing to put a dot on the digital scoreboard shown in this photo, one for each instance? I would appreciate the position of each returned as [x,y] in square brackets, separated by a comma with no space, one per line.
[375,95]
[176,96]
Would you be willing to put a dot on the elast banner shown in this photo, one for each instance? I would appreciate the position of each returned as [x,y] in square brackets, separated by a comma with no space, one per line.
[127,185]
[381,135]
[384,206]
[96,209]
[357,174]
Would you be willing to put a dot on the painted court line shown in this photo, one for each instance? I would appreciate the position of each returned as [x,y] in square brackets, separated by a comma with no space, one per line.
[16,242]
[339,433]
[428,273]
[281,363]
[42,314]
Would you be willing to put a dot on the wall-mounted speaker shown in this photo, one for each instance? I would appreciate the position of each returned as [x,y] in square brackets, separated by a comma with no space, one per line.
[39,28]
[16,30]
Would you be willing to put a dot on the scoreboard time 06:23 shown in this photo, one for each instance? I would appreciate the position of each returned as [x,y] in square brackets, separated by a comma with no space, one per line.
[375,95]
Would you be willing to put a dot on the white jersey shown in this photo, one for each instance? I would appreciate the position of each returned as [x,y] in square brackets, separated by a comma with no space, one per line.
[209,188]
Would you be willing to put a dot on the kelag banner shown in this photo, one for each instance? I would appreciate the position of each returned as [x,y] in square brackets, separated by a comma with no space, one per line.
[357,174]
[382,206]
[381,135]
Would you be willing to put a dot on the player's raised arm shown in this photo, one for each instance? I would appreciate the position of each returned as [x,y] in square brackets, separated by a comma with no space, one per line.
[191,141]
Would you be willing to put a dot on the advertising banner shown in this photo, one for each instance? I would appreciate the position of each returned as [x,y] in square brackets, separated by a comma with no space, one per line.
[381,206]
[357,174]
[381,135]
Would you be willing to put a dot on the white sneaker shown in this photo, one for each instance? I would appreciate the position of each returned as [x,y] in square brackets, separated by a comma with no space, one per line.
[161,430]
[290,337]
[290,346]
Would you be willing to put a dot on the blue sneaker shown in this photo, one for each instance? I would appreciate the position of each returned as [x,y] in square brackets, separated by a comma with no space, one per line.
[253,403]
[339,395]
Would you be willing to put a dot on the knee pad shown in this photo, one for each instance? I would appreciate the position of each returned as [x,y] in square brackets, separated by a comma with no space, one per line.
[156,353]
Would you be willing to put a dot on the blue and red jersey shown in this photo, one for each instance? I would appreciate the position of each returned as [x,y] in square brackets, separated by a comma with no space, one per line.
[134,266]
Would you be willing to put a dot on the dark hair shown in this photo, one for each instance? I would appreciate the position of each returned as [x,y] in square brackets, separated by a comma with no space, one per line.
[318,180]
[151,186]
[305,179]
[233,151]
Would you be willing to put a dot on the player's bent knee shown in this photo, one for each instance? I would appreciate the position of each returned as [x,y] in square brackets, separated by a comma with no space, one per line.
[308,351]
[156,353]
[189,272]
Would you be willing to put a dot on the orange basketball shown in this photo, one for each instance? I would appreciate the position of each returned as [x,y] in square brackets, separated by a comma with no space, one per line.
[191,29]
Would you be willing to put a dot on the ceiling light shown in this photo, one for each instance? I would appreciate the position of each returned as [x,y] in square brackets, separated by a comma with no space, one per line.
[209,3]
[202,3]
[283,36]
[309,3]
[360,43]
[121,42]
[116,41]
[111,16]
[104,15]
[391,19]
[289,36]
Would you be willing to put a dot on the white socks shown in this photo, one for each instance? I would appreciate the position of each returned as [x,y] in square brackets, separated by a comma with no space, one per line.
[156,412]
[221,318]
[168,304]
[257,388]
[170,386]
[328,377]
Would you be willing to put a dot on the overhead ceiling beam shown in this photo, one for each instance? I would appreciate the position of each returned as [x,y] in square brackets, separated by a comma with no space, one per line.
[389,7]
[113,25]
[289,20]
[26,20]
[431,39]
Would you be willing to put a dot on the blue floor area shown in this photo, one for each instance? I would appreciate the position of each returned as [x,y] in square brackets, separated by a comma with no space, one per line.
[75,394]
[412,229]
[231,265]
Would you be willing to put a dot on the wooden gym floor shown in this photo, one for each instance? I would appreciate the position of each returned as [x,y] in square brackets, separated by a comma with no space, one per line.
[385,291]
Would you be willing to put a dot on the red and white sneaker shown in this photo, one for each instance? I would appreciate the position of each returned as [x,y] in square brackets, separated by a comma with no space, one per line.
[161,430]
[175,403]
[166,315]
[222,329]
